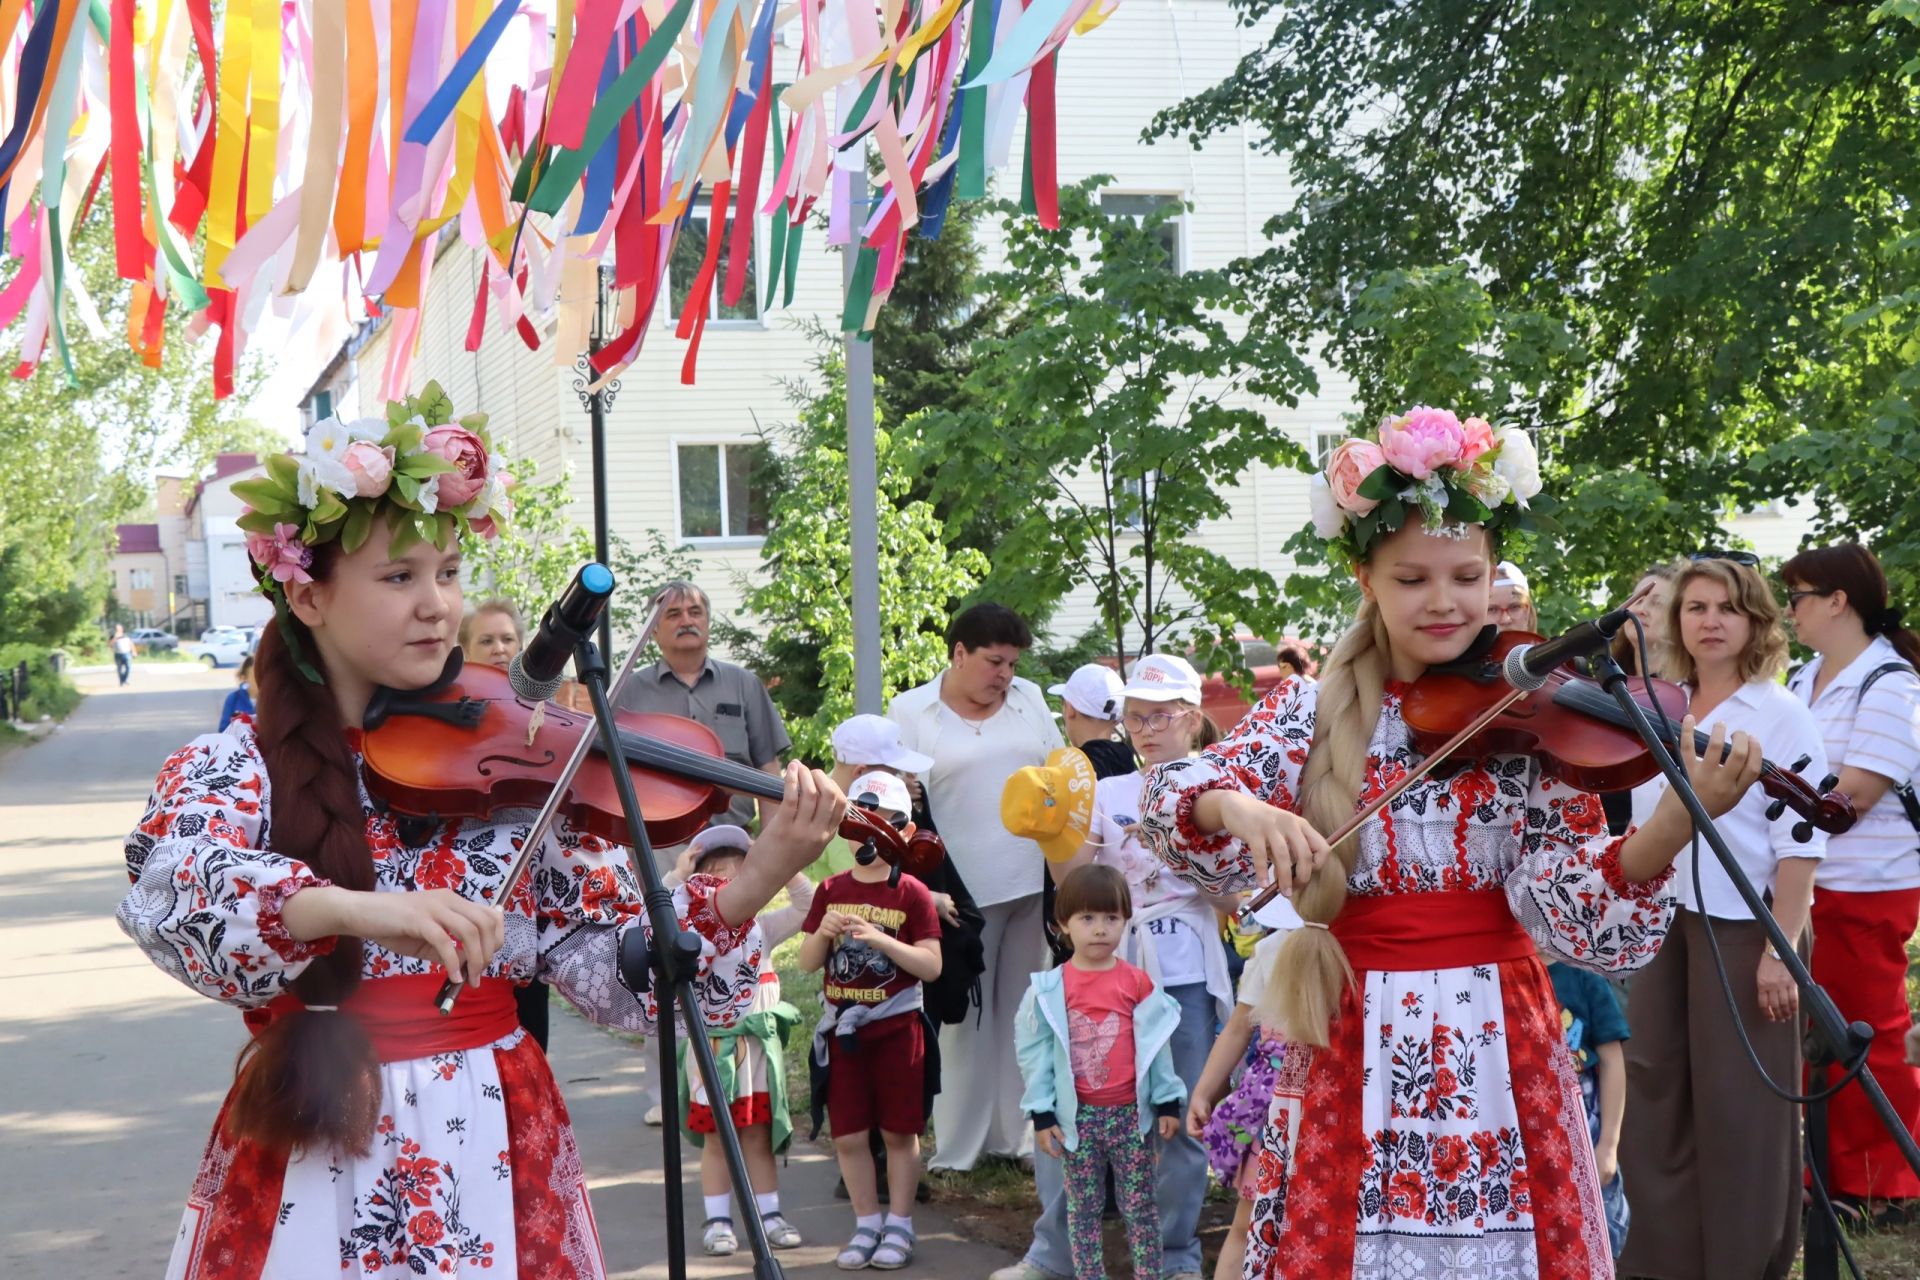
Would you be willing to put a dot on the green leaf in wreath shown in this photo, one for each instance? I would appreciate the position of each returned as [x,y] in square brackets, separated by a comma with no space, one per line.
[359,524]
[405,534]
[407,487]
[329,509]
[1466,508]
[434,405]
[257,521]
[1382,484]
[267,498]
[1392,512]
[444,533]
[404,438]
[398,411]
[423,466]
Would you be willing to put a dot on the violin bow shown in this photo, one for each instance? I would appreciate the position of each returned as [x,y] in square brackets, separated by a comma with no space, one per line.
[543,822]
[1392,793]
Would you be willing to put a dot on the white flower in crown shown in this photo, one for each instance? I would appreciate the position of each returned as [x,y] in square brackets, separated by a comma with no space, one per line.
[1518,464]
[307,483]
[368,429]
[430,495]
[1328,518]
[326,454]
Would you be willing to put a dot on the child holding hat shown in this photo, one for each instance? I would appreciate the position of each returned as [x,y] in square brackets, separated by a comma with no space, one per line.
[873,929]
[751,1055]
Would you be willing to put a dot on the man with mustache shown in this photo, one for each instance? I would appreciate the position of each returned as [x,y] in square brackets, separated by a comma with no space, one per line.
[728,699]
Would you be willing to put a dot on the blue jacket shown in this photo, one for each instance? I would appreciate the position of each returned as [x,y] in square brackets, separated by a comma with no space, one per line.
[1046,1064]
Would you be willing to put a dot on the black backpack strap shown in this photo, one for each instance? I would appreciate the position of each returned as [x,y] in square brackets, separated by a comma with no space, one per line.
[1908,799]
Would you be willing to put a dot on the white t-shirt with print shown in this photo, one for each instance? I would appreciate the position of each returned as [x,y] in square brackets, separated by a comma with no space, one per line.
[1179,938]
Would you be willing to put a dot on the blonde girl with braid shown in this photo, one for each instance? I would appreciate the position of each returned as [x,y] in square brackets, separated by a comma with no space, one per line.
[1426,1119]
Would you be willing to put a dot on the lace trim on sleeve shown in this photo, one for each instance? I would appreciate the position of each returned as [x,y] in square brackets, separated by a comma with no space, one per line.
[703,914]
[273,930]
[1615,875]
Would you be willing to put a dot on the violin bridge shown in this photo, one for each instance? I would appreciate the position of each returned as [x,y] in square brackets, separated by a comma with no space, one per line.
[534,721]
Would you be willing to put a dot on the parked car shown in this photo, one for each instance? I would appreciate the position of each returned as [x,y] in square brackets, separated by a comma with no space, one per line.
[212,634]
[221,648]
[154,640]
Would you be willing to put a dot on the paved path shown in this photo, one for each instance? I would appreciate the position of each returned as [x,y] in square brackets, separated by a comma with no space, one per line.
[113,1072]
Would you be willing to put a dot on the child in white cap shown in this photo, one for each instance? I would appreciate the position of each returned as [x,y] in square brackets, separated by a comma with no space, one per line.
[1510,602]
[751,1056]
[1090,712]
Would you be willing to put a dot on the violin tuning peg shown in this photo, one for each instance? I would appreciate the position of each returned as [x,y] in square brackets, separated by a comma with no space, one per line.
[1829,782]
[1803,831]
[1775,809]
[1801,763]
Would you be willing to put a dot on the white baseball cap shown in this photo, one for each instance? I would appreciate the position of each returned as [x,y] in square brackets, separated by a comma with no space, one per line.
[724,836]
[1163,677]
[876,740]
[1507,574]
[883,791]
[1093,690]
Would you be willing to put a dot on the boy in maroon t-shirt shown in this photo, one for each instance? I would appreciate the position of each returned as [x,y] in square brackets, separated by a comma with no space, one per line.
[878,938]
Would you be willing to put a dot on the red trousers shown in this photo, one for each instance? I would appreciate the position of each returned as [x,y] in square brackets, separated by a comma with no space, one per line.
[1860,957]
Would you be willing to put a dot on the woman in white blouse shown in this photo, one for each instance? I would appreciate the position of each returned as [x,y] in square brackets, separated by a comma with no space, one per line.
[1709,1151]
[1866,700]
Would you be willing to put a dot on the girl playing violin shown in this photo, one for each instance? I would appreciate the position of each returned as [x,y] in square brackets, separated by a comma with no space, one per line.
[1426,1117]
[364,1129]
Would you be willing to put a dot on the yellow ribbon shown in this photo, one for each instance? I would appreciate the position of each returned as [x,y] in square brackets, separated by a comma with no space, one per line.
[229,139]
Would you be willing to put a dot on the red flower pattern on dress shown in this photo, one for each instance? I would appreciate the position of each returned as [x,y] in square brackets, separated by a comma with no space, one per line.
[1584,814]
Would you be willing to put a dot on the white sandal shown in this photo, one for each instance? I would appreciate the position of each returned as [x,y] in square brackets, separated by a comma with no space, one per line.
[896,1249]
[781,1234]
[718,1238]
[858,1254]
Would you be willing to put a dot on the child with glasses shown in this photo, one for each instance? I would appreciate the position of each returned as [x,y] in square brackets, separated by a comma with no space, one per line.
[1173,935]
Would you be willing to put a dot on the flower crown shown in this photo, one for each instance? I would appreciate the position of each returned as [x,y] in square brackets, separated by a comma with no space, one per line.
[1453,473]
[432,477]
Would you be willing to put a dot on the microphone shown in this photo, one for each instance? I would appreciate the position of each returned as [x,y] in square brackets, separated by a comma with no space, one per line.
[538,671]
[1528,666]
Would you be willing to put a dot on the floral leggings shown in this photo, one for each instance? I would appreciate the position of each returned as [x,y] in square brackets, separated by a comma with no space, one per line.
[1111,1136]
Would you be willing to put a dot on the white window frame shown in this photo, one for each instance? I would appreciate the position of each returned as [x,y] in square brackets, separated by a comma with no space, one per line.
[1325,441]
[668,318]
[1182,250]
[725,540]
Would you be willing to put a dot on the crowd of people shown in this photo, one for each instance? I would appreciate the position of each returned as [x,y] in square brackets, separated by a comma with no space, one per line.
[1507,1027]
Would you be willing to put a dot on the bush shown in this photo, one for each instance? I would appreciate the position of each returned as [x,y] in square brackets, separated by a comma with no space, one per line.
[49,693]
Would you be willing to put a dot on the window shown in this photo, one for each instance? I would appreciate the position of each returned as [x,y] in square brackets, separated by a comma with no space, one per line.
[1116,204]
[322,405]
[683,267]
[1141,488]
[139,579]
[722,488]
[179,584]
[1324,443]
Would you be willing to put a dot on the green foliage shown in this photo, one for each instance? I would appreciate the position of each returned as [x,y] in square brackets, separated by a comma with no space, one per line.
[1112,412]
[49,693]
[1667,239]
[531,561]
[803,645]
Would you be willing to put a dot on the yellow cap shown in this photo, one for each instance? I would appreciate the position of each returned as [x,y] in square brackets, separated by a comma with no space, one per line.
[1052,804]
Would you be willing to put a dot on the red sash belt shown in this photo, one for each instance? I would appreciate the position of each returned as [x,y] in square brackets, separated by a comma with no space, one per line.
[400,1019]
[1450,929]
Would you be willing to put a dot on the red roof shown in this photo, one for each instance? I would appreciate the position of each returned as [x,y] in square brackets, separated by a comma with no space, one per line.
[138,537]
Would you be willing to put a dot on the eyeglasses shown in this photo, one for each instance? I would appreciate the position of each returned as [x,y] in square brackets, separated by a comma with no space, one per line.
[1746,558]
[1795,597]
[1153,723]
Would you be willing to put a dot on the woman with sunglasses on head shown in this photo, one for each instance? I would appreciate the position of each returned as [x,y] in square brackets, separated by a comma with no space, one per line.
[1709,1151]
[364,1127]
[1426,1119]
[1866,699]
[1173,935]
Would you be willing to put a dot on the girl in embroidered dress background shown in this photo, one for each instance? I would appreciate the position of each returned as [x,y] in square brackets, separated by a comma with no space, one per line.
[1421,1116]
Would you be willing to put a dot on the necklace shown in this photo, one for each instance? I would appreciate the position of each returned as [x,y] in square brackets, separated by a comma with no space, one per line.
[976,725]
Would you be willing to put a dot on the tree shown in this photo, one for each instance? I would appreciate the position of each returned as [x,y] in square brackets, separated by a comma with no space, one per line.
[1678,214]
[532,561]
[1106,421]
[804,606]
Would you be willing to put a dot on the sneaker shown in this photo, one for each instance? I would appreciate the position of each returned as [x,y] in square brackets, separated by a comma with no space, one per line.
[718,1238]
[653,1120]
[1023,1271]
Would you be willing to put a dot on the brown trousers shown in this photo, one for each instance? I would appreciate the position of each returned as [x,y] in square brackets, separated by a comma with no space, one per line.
[1710,1156]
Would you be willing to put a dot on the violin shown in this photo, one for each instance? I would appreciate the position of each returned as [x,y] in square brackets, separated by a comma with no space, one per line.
[1573,727]
[1581,735]
[470,747]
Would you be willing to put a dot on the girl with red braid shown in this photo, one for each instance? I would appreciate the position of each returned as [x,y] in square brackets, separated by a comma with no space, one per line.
[365,1132]
[1425,1119]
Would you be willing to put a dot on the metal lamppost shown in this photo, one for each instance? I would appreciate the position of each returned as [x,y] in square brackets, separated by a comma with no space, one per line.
[596,402]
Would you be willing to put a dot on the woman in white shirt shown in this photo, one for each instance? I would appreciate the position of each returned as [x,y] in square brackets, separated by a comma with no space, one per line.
[1174,935]
[1868,899]
[1711,1152]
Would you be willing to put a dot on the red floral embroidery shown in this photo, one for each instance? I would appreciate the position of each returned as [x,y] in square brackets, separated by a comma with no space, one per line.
[273,899]
[1646,891]
[1584,814]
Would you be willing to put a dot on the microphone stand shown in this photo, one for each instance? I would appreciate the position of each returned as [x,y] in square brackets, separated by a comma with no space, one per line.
[667,968]
[1835,1039]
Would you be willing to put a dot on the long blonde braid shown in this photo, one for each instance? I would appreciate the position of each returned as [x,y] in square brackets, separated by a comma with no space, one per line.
[1311,967]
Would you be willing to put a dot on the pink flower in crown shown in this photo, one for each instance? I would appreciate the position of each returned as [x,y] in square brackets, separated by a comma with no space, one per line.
[469,458]
[1479,441]
[1348,469]
[283,555]
[1422,441]
[371,467]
